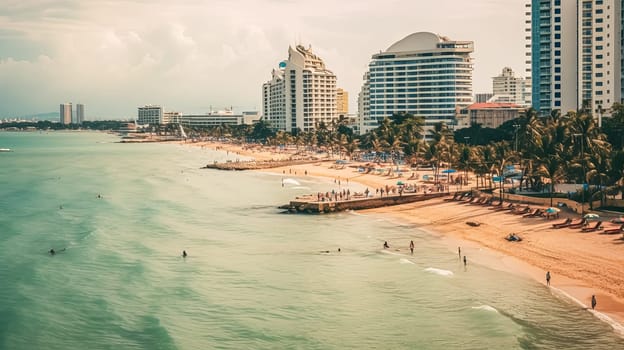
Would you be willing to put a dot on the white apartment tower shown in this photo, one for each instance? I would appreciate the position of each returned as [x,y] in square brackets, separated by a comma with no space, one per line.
[66,113]
[511,88]
[576,54]
[599,54]
[423,74]
[301,92]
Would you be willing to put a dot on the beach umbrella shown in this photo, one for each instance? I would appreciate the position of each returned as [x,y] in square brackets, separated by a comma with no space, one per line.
[552,210]
[449,171]
[400,183]
[591,216]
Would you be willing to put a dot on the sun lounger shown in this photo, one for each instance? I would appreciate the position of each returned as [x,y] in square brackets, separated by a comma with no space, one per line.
[500,207]
[472,199]
[613,231]
[562,224]
[455,197]
[531,214]
[479,201]
[521,211]
[579,224]
[596,227]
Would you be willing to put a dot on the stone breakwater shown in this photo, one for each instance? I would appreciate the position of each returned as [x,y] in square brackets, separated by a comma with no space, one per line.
[255,165]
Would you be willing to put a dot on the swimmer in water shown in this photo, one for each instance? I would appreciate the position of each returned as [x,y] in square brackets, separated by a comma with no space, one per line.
[386,245]
[184,255]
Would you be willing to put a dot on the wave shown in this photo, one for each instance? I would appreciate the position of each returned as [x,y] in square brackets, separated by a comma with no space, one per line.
[485,308]
[405,261]
[301,188]
[440,272]
[290,181]
[617,326]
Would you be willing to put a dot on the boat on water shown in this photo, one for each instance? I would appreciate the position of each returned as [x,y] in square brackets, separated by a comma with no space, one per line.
[5,150]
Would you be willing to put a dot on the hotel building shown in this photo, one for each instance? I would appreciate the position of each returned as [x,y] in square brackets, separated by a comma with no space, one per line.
[66,113]
[301,92]
[423,74]
[576,54]
[506,86]
[150,114]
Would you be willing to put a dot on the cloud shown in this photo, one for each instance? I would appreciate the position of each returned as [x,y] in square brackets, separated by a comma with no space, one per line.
[190,54]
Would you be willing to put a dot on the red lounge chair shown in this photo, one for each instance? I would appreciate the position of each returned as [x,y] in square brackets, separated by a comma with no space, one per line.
[562,224]
[613,231]
[596,227]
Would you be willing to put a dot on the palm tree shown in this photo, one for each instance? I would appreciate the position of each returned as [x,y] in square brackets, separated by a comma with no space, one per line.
[550,168]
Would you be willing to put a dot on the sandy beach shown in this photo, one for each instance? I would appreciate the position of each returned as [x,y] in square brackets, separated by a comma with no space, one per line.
[581,263]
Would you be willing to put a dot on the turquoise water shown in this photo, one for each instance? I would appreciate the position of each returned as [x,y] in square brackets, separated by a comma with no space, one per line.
[254,278]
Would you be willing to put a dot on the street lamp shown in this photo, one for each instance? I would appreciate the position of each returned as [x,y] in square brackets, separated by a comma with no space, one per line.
[583,166]
[516,126]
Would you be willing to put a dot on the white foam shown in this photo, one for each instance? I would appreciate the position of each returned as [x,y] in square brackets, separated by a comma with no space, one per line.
[405,261]
[290,181]
[440,272]
[485,308]
[301,188]
[617,327]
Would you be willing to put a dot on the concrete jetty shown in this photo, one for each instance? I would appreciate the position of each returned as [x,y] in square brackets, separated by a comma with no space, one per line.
[313,206]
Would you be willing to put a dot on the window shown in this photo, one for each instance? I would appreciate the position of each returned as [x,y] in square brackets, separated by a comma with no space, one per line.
[557,53]
[557,27]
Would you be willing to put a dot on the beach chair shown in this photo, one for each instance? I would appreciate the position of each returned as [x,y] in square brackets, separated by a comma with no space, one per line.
[456,196]
[564,223]
[613,231]
[502,207]
[531,214]
[479,201]
[472,199]
[520,211]
[488,201]
[577,224]
[495,203]
[596,227]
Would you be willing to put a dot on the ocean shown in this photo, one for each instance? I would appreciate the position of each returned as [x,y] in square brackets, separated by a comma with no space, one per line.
[120,215]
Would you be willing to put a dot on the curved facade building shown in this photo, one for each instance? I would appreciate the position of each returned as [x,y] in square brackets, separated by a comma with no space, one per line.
[423,74]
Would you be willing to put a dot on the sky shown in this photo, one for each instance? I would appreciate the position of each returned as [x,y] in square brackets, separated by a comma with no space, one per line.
[192,56]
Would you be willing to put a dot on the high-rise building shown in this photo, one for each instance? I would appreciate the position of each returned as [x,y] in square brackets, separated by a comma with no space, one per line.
[423,74]
[66,113]
[511,88]
[576,54]
[79,113]
[150,114]
[483,97]
[342,102]
[301,92]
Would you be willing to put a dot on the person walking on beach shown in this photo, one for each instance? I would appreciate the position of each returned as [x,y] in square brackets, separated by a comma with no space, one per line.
[548,278]
[464,260]
[593,302]
[412,247]
[386,245]
[459,252]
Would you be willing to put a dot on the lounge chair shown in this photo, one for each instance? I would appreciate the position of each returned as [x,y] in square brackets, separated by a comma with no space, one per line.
[455,197]
[480,201]
[501,207]
[521,211]
[495,203]
[596,227]
[472,199]
[562,224]
[578,224]
[531,214]
[488,202]
[613,231]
